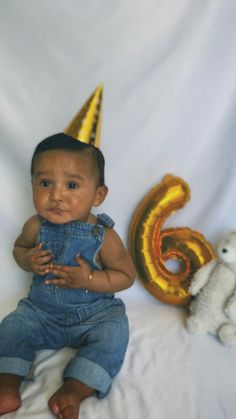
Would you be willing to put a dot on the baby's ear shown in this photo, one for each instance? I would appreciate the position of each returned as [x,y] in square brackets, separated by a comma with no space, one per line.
[100,195]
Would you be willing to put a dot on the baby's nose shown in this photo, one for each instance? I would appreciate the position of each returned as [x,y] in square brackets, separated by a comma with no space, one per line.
[56,194]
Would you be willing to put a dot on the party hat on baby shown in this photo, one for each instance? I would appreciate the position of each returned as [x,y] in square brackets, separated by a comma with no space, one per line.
[86,125]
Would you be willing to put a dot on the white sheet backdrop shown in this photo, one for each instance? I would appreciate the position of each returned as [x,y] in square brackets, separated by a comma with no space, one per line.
[168,70]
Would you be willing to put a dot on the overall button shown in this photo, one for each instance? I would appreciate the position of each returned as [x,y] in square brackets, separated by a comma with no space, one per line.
[96,230]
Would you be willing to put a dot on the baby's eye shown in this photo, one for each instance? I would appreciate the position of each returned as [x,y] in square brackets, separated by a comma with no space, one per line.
[45,183]
[72,185]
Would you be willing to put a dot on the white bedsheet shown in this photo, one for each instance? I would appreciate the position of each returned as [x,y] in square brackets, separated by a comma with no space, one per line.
[166,374]
[168,70]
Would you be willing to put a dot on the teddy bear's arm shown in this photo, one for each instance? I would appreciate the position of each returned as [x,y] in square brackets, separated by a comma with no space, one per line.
[201,277]
[230,307]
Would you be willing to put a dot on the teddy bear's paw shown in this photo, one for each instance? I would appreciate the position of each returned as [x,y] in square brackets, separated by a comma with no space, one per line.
[227,335]
[194,288]
[195,325]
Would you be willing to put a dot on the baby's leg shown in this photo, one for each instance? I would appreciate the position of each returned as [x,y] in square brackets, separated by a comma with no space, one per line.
[10,399]
[65,403]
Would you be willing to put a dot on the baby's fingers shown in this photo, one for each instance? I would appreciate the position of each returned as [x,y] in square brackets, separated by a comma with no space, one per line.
[44,259]
[40,270]
[58,282]
[42,256]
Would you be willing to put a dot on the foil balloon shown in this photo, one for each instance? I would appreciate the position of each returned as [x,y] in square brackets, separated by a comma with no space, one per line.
[151,247]
[86,125]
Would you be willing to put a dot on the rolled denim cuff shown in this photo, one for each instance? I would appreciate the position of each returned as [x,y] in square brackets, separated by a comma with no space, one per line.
[17,366]
[89,373]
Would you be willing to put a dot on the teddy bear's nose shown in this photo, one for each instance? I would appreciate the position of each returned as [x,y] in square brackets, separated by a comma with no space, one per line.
[224,250]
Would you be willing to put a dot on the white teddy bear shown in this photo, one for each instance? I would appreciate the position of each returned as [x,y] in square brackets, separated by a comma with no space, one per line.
[214,285]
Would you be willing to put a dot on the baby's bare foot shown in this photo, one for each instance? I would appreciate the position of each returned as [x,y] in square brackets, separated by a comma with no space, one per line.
[65,403]
[10,399]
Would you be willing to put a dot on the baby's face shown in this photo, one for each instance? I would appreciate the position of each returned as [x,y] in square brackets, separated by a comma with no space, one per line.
[64,186]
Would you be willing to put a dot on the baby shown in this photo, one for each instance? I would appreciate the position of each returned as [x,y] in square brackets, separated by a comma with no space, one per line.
[78,262]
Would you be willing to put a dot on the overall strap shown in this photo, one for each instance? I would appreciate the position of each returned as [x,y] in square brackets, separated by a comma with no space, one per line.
[104,220]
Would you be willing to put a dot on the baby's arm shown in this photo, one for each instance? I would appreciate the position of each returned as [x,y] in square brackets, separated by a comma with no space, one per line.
[27,254]
[118,271]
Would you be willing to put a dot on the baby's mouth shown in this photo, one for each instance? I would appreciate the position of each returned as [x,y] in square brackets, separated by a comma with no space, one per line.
[56,210]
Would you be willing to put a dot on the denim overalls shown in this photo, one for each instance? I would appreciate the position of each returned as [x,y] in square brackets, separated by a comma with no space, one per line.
[52,317]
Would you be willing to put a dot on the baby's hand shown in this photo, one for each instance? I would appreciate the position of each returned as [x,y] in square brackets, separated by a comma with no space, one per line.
[69,276]
[38,259]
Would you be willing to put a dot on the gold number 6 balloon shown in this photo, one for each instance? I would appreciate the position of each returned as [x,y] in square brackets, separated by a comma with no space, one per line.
[152,247]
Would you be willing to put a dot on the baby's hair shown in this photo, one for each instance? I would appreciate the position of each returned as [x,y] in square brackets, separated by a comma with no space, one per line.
[62,141]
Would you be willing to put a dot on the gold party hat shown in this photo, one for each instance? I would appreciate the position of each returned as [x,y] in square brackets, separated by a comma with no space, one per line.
[86,125]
